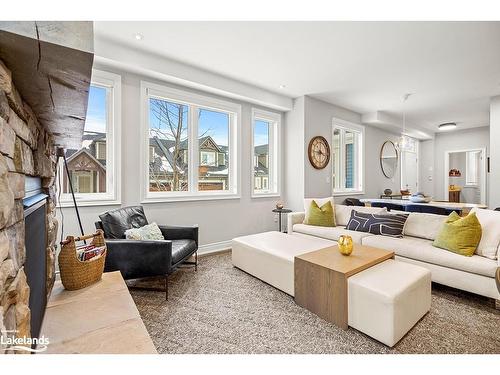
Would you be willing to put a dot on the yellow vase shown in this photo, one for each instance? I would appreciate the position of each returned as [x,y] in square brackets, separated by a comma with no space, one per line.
[345,245]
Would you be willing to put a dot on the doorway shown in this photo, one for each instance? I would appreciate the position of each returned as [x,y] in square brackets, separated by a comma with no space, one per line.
[465,176]
[409,166]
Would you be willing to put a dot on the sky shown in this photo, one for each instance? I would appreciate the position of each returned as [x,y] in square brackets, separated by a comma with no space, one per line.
[212,123]
[96,110]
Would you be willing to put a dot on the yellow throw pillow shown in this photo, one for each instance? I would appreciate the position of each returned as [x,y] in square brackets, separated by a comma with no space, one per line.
[460,235]
[321,216]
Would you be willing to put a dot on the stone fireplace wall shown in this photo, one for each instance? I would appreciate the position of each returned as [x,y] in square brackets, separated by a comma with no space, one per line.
[26,149]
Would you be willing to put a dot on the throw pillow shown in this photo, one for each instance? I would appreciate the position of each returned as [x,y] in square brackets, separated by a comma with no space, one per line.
[321,216]
[343,212]
[384,224]
[490,239]
[460,235]
[147,232]
[320,202]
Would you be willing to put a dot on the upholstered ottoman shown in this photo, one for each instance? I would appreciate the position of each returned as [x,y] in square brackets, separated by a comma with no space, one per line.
[269,256]
[387,300]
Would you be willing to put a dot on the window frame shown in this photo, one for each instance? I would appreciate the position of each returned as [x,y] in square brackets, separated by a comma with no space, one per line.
[274,157]
[344,125]
[194,102]
[112,196]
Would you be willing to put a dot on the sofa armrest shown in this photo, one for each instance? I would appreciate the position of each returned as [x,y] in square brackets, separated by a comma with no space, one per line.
[294,218]
[136,259]
[174,232]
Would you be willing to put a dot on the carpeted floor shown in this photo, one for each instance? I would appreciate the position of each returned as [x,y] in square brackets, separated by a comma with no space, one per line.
[221,309]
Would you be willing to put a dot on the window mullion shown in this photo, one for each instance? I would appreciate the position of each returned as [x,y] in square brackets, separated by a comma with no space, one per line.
[194,152]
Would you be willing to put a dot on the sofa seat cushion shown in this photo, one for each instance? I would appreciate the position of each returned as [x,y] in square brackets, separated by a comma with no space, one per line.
[330,233]
[182,249]
[422,249]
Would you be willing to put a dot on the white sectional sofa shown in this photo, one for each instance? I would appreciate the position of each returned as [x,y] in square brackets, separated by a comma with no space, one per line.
[475,274]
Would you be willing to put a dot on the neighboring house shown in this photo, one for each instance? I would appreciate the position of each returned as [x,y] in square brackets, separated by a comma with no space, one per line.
[87,166]
[261,167]
[212,172]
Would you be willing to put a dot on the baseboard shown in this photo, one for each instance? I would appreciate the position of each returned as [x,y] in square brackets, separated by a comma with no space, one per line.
[215,247]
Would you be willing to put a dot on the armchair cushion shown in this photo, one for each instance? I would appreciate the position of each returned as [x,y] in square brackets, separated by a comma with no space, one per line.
[182,249]
[116,222]
[137,259]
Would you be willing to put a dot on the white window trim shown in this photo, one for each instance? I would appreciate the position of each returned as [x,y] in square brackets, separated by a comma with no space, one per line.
[196,101]
[274,149]
[350,126]
[113,147]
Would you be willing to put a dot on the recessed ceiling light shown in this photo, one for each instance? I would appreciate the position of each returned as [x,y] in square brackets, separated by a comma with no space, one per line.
[282,86]
[139,36]
[448,126]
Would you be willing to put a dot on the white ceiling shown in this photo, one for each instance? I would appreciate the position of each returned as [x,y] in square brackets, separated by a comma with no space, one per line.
[452,68]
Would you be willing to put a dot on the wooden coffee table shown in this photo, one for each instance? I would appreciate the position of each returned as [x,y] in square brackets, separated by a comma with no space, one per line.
[321,279]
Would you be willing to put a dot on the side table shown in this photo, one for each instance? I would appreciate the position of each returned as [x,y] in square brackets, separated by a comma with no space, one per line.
[281,211]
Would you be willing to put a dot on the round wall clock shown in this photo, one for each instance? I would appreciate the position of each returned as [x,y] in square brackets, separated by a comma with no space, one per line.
[319,152]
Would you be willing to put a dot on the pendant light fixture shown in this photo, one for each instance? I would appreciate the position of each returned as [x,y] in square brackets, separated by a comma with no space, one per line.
[402,142]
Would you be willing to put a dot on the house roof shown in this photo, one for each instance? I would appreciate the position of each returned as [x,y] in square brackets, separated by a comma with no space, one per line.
[86,152]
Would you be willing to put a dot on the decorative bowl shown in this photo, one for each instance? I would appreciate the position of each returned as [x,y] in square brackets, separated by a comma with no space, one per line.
[345,244]
[420,199]
[387,192]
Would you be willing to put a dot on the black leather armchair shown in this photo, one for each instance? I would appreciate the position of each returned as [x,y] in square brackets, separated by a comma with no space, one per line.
[138,259]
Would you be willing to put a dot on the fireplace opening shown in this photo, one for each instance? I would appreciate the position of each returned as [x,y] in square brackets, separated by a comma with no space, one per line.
[35,214]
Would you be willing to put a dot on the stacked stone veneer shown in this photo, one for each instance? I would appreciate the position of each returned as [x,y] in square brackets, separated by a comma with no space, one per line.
[26,149]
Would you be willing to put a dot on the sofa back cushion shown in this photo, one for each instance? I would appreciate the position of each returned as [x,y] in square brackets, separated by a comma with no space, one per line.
[490,240]
[384,224]
[116,222]
[423,225]
[343,212]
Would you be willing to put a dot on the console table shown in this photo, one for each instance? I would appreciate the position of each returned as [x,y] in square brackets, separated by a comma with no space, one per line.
[99,319]
[321,279]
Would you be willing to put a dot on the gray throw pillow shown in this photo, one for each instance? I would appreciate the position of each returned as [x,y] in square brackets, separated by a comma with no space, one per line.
[147,232]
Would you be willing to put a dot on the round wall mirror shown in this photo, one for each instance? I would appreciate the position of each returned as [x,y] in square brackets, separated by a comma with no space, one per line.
[389,159]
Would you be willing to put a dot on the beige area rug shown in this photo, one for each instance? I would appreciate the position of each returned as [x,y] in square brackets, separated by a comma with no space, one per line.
[221,309]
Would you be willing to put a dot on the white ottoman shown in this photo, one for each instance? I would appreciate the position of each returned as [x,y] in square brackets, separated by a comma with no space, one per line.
[269,256]
[387,300]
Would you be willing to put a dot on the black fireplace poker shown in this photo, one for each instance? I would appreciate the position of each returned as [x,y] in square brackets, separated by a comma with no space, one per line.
[61,153]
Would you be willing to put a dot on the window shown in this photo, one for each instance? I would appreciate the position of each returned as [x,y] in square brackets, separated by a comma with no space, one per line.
[207,158]
[265,153]
[195,139]
[347,158]
[93,167]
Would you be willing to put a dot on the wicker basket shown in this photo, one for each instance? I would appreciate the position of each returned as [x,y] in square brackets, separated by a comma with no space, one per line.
[77,274]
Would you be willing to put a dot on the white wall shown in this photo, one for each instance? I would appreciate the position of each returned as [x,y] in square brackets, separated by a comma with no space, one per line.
[455,141]
[294,156]
[312,117]
[375,181]
[427,180]
[494,175]
[318,121]
[219,220]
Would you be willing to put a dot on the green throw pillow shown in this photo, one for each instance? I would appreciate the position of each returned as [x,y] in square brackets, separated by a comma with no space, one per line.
[321,216]
[459,234]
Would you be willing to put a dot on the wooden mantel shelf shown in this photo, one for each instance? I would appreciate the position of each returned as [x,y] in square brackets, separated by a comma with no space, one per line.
[99,319]
[51,66]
